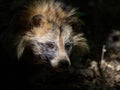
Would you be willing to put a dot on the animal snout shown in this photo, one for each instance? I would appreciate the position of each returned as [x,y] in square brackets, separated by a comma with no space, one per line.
[63,64]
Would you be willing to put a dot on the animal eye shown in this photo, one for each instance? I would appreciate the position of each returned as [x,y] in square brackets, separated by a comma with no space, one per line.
[50,45]
[68,46]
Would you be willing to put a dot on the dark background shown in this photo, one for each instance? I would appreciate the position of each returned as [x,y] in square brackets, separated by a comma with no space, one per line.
[99,18]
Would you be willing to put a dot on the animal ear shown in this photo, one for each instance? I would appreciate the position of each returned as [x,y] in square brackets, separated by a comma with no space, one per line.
[36,20]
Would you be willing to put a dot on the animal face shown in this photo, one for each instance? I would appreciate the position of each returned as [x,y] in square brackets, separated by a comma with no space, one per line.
[47,32]
[52,44]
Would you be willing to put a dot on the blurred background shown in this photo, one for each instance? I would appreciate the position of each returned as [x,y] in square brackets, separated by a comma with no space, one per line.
[99,18]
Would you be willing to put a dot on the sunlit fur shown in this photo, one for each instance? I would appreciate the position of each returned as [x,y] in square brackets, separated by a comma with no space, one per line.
[55,26]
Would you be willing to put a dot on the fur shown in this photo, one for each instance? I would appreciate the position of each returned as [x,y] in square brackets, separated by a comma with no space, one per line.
[33,22]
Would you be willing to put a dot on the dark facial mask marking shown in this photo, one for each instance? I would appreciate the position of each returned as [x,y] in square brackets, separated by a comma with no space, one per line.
[48,52]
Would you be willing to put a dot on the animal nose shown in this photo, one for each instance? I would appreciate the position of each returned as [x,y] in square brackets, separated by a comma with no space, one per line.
[63,64]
